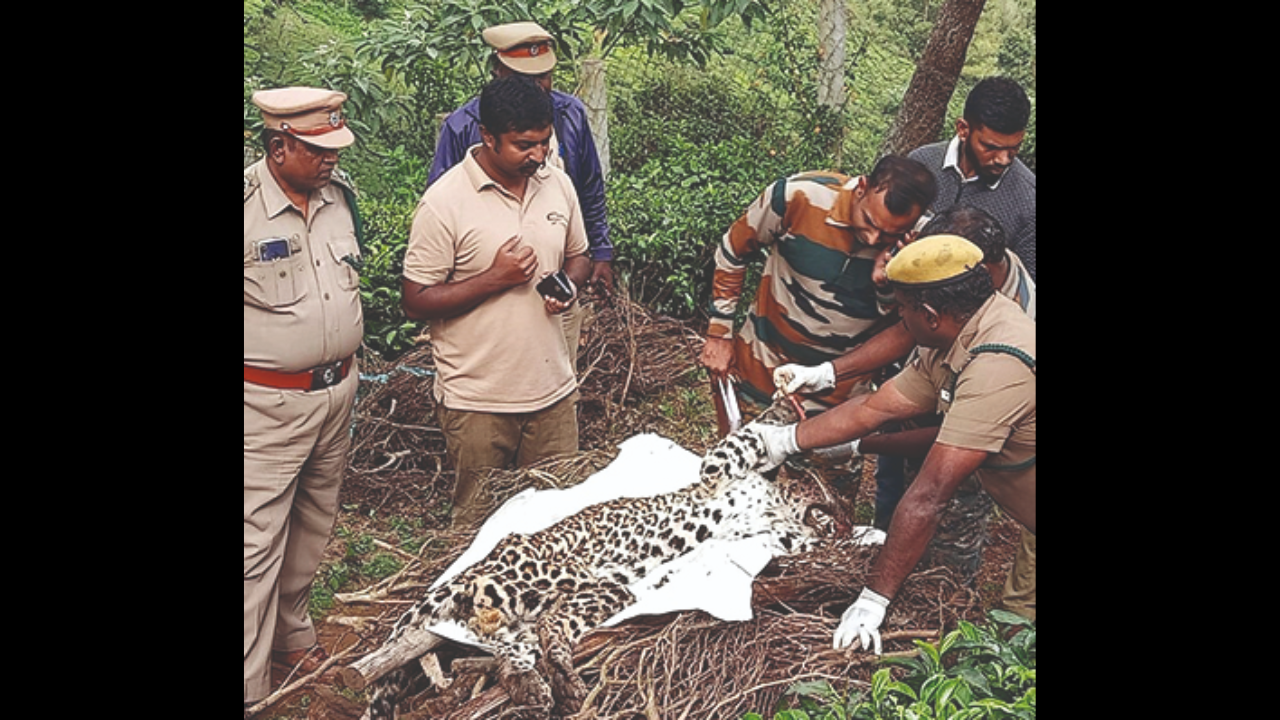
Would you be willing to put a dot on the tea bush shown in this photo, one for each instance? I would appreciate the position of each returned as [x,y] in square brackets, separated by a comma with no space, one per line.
[975,673]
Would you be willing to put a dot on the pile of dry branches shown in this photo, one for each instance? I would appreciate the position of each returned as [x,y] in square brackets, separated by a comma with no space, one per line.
[694,666]
[398,453]
[689,665]
[670,668]
[629,353]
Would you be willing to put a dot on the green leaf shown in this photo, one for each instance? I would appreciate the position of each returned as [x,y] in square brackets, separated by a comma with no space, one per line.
[1005,617]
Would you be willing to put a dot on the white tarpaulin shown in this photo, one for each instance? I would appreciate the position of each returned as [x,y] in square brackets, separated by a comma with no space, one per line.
[717,577]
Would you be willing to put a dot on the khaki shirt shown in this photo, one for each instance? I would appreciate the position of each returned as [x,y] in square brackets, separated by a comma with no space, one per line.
[507,355]
[302,311]
[989,401]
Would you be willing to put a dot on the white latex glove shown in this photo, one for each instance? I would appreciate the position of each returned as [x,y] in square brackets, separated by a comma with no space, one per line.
[779,444]
[793,378]
[862,622]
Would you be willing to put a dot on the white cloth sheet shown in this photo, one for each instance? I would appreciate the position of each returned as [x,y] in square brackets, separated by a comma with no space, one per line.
[717,577]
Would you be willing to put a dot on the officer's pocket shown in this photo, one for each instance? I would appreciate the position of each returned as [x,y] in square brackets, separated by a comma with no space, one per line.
[276,284]
[346,258]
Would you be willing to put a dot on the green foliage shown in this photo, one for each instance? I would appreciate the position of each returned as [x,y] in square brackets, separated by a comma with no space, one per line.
[975,673]
[363,562]
[710,102]
[669,215]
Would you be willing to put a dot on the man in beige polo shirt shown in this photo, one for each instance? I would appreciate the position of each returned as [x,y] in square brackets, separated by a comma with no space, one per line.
[302,325]
[483,237]
[976,366]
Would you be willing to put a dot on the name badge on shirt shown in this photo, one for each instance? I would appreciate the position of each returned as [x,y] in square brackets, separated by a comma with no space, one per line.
[947,393]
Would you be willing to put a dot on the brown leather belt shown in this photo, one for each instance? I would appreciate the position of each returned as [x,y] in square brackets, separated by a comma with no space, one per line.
[314,379]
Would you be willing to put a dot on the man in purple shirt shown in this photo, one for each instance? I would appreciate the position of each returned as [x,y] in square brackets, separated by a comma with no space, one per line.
[525,48]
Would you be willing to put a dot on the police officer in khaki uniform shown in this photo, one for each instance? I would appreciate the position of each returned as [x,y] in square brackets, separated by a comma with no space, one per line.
[302,326]
[976,366]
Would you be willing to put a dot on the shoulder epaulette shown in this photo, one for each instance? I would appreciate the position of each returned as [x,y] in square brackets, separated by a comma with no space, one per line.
[1001,349]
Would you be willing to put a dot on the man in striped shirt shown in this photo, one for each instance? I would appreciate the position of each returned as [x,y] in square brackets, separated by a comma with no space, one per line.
[824,234]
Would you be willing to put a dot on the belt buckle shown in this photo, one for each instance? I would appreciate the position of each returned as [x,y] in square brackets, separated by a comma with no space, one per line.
[327,376]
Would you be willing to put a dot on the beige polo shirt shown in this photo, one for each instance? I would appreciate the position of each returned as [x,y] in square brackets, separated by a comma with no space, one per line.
[508,354]
[301,311]
[991,406]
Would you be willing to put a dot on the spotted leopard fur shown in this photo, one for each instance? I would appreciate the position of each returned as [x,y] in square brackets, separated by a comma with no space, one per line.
[534,597]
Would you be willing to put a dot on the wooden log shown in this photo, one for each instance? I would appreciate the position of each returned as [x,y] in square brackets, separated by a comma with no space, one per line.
[472,665]
[431,668]
[374,666]
[482,706]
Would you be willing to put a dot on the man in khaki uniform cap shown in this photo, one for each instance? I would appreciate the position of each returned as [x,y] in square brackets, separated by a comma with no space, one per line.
[302,325]
[976,366]
[523,46]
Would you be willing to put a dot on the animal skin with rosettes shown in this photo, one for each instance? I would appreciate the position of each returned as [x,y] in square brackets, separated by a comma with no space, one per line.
[535,596]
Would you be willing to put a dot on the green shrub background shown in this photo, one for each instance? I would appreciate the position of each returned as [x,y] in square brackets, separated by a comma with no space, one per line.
[693,140]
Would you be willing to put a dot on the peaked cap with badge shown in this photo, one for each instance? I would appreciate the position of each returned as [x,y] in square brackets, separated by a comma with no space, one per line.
[934,261]
[313,115]
[525,47]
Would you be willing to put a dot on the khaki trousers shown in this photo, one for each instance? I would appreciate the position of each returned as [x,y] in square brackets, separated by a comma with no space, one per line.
[295,454]
[477,442]
[571,322]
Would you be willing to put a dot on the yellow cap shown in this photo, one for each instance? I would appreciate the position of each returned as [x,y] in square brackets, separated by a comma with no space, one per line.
[934,261]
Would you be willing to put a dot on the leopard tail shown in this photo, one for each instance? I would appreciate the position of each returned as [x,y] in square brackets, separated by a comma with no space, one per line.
[391,690]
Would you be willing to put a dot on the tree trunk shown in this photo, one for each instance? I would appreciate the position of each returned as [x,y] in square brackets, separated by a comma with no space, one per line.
[924,108]
[832,35]
[594,94]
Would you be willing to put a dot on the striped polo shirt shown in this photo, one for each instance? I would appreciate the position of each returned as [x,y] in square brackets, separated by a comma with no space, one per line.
[816,300]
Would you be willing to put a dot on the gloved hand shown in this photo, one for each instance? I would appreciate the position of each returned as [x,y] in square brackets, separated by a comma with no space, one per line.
[791,378]
[862,622]
[779,444]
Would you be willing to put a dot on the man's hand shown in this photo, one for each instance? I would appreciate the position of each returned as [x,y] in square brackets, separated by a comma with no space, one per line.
[879,273]
[717,357]
[862,622]
[602,280]
[514,264]
[792,379]
[555,307]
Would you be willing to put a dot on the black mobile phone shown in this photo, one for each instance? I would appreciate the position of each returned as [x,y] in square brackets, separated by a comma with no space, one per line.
[556,285]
